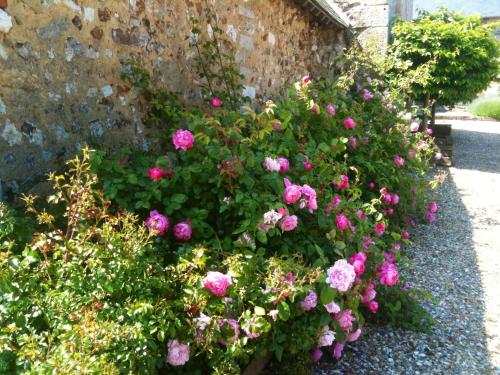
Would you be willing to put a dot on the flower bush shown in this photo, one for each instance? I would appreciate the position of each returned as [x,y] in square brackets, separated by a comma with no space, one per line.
[261,232]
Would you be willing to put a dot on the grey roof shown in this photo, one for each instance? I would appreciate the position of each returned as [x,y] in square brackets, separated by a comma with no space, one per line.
[326,10]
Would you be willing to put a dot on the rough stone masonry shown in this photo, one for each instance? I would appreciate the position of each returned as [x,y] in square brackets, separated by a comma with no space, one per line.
[60,63]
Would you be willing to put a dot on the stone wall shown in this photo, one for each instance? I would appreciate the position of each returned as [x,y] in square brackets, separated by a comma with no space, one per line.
[60,65]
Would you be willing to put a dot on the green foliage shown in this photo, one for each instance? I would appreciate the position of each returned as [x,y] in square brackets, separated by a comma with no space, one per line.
[488,107]
[215,62]
[460,53]
[402,308]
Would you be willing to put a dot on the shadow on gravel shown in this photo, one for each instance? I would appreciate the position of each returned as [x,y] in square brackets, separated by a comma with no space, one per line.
[486,159]
[446,265]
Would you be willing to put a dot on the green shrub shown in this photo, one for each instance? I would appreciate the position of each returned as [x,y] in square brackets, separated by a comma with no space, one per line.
[487,107]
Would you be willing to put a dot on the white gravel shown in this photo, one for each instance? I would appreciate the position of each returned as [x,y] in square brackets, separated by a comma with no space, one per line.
[458,261]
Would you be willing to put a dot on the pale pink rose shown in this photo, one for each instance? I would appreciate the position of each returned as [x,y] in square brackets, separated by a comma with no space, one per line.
[332,308]
[406,116]
[309,198]
[178,353]
[341,275]
[388,274]
[310,301]
[353,336]
[183,139]
[370,292]
[438,156]
[284,164]
[217,283]
[345,319]
[272,217]
[349,123]
[396,246]
[288,223]
[216,102]
[411,153]
[155,173]
[271,165]
[330,109]
[337,350]
[358,262]
[428,131]
[414,126]
[399,161]
[292,192]
[183,231]
[327,337]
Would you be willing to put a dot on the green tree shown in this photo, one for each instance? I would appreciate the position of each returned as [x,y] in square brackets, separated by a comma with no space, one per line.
[462,55]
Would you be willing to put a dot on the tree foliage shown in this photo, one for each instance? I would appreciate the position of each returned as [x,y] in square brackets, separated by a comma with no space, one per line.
[461,53]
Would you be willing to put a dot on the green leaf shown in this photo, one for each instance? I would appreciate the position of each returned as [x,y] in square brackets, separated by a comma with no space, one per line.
[262,237]
[179,198]
[327,294]
[283,311]
[259,311]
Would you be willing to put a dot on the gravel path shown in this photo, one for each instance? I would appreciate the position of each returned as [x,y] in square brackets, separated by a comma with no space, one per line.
[458,261]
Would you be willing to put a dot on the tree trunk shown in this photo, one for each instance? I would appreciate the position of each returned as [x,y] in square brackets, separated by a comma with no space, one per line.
[433,113]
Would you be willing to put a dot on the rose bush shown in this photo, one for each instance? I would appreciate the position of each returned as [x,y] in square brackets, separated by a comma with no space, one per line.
[262,232]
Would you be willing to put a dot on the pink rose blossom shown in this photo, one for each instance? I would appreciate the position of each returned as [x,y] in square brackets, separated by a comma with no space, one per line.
[353,336]
[277,125]
[379,229]
[157,223]
[349,123]
[284,164]
[310,301]
[411,153]
[330,109]
[341,275]
[389,211]
[395,199]
[292,192]
[183,231]
[438,156]
[371,186]
[183,139]
[272,165]
[388,274]
[373,306]
[358,262]
[353,141]
[399,161]
[216,102]
[337,350]
[396,246]
[282,211]
[316,355]
[217,283]
[370,292]
[306,80]
[389,257]
[178,353]
[332,308]
[361,215]
[367,95]
[428,131]
[336,201]
[430,217]
[155,173]
[367,241]
[405,235]
[308,166]
[272,217]
[327,337]
[309,198]
[414,126]
[343,184]
[345,319]
[288,223]
[315,108]
[432,207]
[387,198]
[342,222]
